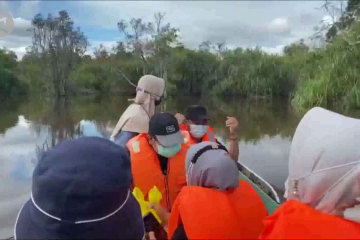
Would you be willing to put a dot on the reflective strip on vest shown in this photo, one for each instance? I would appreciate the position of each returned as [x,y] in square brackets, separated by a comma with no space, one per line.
[186,140]
[136,146]
[211,137]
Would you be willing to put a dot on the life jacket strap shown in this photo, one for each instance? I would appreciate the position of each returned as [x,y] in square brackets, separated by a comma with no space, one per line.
[206,148]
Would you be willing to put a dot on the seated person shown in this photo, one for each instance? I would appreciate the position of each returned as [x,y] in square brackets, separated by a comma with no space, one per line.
[215,204]
[158,158]
[323,192]
[81,190]
[196,123]
[135,118]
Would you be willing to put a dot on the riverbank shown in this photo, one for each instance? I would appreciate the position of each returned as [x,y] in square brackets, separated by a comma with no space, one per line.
[326,75]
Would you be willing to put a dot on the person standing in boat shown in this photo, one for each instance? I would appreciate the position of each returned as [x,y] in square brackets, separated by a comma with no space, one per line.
[323,192]
[136,117]
[158,158]
[196,123]
[215,204]
[81,190]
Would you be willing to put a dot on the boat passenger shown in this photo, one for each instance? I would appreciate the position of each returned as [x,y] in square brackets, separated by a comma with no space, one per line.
[196,122]
[158,158]
[215,204]
[81,190]
[323,198]
[136,117]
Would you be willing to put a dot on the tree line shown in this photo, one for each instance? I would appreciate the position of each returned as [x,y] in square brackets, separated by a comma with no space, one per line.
[56,63]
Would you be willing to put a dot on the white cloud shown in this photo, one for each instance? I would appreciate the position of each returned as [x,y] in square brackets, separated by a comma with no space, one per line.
[268,24]
[16,44]
[21,27]
[19,39]
[20,51]
[279,22]
[241,23]
[279,25]
[327,20]
[274,50]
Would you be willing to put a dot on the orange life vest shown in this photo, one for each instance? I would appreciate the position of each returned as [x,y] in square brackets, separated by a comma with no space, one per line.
[295,220]
[146,170]
[211,214]
[208,137]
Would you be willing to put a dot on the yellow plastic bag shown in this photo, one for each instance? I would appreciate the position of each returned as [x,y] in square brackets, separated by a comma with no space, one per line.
[154,197]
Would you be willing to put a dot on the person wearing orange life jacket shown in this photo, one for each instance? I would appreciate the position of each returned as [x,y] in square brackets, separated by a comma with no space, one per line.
[323,187]
[196,123]
[215,204]
[158,158]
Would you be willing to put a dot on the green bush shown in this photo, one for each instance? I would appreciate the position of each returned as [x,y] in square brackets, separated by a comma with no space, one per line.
[254,73]
[336,76]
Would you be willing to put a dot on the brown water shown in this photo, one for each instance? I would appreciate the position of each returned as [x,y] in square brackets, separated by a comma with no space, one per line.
[29,126]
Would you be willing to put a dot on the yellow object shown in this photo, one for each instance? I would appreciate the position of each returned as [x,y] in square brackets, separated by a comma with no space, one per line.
[154,197]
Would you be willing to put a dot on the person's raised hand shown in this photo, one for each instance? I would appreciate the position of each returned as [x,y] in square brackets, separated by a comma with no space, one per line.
[180,118]
[232,124]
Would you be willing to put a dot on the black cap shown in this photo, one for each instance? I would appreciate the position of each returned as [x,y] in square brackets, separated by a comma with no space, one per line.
[196,113]
[81,189]
[165,127]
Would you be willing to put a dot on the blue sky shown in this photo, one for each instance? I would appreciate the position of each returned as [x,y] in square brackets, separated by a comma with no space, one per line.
[268,24]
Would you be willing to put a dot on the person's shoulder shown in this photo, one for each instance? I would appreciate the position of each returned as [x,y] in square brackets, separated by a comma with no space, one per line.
[221,145]
[218,142]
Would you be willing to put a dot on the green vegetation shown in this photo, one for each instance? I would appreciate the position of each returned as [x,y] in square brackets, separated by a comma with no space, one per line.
[56,63]
[334,80]
[9,82]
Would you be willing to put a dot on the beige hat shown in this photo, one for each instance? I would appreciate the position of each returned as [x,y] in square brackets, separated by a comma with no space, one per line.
[137,116]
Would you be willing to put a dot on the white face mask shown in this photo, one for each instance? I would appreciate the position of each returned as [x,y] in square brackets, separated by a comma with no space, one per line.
[198,131]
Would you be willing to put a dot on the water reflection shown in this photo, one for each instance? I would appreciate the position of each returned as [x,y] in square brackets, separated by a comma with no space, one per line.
[29,128]
[17,154]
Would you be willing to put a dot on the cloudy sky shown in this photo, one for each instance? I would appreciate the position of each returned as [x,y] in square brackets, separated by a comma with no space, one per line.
[268,24]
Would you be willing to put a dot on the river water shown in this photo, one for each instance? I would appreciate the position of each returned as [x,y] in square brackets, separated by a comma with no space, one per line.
[28,127]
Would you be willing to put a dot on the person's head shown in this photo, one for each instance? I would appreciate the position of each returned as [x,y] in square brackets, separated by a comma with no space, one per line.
[197,121]
[209,165]
[164,134]
[81,190]
[324,163]
[152,86]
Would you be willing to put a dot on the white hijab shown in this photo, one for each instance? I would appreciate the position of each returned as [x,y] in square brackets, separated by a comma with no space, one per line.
[136,117]
[324,163]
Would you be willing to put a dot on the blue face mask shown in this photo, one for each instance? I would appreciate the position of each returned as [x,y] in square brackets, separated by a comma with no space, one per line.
[168,151]
[198,131]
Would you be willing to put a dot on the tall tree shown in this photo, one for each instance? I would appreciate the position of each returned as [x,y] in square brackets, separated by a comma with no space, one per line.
[136,37]
[61,45]
[163,37]
[101,53]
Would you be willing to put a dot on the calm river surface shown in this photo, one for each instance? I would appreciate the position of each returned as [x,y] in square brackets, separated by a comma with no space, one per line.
[29,126]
